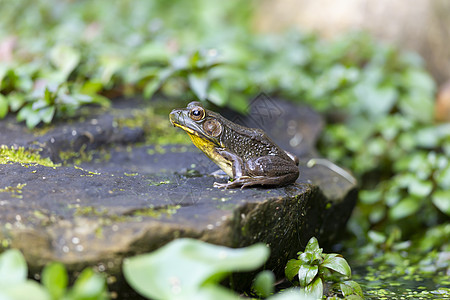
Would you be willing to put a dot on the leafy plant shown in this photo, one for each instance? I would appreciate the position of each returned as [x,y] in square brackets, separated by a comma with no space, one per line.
[14,284]
[190,269]
[313,268]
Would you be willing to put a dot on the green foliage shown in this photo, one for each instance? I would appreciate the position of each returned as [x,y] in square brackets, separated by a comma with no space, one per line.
[190,269]
[313,268]
[14,284]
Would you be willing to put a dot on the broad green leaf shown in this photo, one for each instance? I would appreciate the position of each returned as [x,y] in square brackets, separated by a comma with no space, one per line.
[217,93]
[91,87]
[441,199]
[314,290]
[312,246]
[417,107]
[338,264]
[199,82]
[55,279]
[89,285]
[4,105]
[16,101]
[13,268]
[39,103]
[183,266]
[151,87]
[292,267]
[351,287]
[65,58]
[406,207]
[264,283]
[306,258]
[306,274]
[153,52]
[376,237]
[24,291]
[32,119]
[208,292]
[443,178]
[291,294]
[420,188]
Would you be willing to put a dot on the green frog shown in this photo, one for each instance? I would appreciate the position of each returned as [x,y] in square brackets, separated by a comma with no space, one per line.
[247,155]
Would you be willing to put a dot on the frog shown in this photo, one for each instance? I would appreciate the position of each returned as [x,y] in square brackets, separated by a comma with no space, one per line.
[247,155]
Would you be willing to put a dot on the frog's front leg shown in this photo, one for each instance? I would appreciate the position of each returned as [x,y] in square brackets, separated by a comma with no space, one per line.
[237,170]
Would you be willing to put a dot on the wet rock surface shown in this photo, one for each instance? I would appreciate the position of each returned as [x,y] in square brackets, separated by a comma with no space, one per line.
[130,198]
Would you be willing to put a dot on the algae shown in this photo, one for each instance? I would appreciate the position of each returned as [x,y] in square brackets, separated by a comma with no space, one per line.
[16,192]
[25,157]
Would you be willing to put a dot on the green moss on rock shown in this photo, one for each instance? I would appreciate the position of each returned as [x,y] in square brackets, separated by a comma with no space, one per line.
[23,156]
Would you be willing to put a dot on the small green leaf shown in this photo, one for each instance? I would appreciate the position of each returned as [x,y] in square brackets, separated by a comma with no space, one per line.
[314,290]
[13,268]
[65,58]
[151,87]
[89,285]
[16,101]
[406,207]
[292,267]
[306,274]
[198,81]
[312,246]
[441,199]
[338,264]
[264,283]
[351,287]
[420,188]
[217,94]
[3,106]
[55,279]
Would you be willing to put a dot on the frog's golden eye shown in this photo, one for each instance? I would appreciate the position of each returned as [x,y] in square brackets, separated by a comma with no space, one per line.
[212,127]
[197,113]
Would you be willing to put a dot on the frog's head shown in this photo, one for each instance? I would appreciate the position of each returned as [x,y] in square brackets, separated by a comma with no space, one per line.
[203,126]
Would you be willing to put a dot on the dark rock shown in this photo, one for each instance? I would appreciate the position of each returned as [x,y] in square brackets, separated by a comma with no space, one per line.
[142,197]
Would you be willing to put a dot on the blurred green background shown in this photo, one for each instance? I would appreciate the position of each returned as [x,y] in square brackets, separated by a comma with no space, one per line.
[57,56]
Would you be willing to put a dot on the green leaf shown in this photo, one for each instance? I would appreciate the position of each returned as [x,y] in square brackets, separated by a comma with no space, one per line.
[420,188]
[441,199]
[291,294]
[292,267]
[3,106]
[89,285]
[198,81]
[264,283]
[351,287]
[13,268]
[406,207]
[16,101]
[217,93]
[24,291]
[55,279]
[312,246]
[338,264]
[306,274]
[314,290]
[183,266]
[65,58]
[151,87]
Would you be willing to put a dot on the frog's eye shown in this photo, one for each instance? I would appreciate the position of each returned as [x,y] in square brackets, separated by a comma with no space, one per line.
[197,113]
[212,127]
